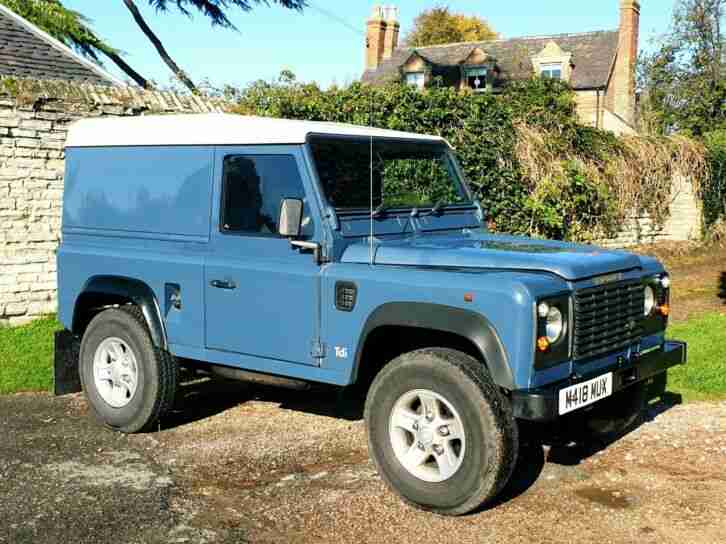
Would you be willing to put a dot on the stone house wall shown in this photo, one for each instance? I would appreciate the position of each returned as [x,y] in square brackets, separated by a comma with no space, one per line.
[591,111]
[34,119]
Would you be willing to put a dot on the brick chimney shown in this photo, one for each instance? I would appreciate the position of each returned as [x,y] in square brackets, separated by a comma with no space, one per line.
[625,63]
[376,37]
[393,29]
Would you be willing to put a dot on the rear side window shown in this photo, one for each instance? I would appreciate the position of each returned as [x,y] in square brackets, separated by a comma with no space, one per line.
[253,188]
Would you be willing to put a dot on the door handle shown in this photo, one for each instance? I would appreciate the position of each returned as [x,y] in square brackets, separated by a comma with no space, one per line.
[220,284]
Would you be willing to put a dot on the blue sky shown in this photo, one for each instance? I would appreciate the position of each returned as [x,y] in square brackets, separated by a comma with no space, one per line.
[317,48]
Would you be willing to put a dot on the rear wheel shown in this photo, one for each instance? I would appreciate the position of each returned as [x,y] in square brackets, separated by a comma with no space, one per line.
[128,382]
[439,431]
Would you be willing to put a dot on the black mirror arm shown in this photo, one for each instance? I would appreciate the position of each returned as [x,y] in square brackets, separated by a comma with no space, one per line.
[314,246]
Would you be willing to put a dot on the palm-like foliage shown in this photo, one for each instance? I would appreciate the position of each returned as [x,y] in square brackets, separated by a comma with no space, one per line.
[215,9]
[72,29]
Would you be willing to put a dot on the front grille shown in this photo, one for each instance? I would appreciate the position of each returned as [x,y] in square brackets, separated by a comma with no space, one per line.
[608,318]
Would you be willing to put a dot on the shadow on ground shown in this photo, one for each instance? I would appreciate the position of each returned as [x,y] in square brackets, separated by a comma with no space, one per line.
[203,398]
[568,451]
[539,445]
[722,287]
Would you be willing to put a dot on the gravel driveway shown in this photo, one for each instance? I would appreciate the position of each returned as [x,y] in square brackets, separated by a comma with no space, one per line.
[239,464]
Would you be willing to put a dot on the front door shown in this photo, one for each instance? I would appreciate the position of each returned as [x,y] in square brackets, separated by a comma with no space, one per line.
[261,293]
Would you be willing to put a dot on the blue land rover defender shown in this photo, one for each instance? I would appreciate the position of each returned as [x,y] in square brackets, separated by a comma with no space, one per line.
[302,252]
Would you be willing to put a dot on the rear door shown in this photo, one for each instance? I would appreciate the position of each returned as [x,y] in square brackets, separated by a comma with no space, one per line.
[262,295]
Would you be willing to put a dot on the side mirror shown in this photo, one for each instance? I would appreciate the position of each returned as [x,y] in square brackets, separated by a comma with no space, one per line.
[289,224]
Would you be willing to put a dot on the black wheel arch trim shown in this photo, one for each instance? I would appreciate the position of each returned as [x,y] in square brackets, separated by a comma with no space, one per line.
[466,323]
[135,290]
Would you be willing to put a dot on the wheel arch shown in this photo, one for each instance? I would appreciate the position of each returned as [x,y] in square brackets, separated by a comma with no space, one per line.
[106,290]
[466,324]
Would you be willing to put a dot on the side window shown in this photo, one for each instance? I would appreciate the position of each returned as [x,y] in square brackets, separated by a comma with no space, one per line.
[253,187]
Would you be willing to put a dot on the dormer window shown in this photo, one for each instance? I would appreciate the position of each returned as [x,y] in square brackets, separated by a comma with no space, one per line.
[476,78]
[551,70]
[416,79]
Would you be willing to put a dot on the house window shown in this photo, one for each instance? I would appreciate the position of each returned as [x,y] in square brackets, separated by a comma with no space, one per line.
[476,78]
[416,79]
[551,70]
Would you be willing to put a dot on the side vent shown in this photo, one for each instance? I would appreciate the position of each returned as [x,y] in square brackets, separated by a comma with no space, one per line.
[346,294]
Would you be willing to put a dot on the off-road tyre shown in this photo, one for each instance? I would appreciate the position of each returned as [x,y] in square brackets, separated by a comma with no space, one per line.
[158,372]
[490,429]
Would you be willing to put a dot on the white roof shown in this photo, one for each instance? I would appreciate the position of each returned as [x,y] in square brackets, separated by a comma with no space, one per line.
[212,129]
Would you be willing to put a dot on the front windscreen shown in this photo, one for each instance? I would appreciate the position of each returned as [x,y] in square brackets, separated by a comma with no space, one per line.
[405,174]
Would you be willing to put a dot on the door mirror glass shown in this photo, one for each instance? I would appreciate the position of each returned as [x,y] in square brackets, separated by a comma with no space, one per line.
[290,222]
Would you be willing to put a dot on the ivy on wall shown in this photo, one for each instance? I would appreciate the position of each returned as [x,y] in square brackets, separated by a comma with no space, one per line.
[536,169]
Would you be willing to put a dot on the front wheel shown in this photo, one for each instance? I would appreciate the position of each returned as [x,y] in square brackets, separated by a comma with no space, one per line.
[439,431]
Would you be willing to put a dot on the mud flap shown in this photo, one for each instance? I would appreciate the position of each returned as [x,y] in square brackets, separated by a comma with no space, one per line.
[67,379]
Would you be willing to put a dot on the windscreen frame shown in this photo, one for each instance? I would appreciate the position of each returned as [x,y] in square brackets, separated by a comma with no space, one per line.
[452,164]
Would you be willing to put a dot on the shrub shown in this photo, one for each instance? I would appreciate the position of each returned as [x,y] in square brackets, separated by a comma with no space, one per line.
[536,170]
[713,191]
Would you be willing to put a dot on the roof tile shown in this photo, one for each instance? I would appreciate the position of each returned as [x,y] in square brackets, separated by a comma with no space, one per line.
[593,54]
[23,53]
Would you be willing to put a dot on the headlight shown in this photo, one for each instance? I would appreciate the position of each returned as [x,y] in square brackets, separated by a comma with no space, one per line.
[552,317]
[649,300]
[554,325]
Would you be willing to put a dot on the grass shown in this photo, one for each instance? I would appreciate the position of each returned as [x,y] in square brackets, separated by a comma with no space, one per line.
[26,357]
[704,376]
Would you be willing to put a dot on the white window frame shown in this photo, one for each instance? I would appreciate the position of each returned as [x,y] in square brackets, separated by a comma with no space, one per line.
[482,72]
[549,67]
[416,79]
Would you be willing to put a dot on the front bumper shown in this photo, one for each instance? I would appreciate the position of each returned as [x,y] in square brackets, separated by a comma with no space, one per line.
[541,404]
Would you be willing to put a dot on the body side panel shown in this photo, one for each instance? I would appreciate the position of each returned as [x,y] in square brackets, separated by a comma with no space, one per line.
[143,214]
[501,299]
[273,310]
[153,263]
[155,190]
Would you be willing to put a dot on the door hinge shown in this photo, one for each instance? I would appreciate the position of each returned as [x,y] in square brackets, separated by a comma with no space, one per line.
[317,349]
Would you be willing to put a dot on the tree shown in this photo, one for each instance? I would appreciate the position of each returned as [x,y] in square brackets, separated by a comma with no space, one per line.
[684,81]
[72,29]
[213,9]
[438,25]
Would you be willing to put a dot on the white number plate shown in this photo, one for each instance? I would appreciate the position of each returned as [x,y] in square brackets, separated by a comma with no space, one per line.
[585,393]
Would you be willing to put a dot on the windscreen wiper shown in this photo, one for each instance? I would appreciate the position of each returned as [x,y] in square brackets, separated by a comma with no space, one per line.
[379,211]
[437,208]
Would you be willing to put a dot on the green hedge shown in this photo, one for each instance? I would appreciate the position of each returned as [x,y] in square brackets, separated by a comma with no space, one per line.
[580,199]
[714,190]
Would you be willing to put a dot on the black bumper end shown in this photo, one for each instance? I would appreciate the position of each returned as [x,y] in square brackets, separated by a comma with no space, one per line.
[541,404]
[66,379]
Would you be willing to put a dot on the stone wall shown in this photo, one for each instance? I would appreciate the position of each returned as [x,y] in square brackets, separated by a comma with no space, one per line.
[34,119]
[684,221]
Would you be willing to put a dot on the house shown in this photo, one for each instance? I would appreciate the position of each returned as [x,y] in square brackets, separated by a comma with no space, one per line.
[26,51]
[599,66]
